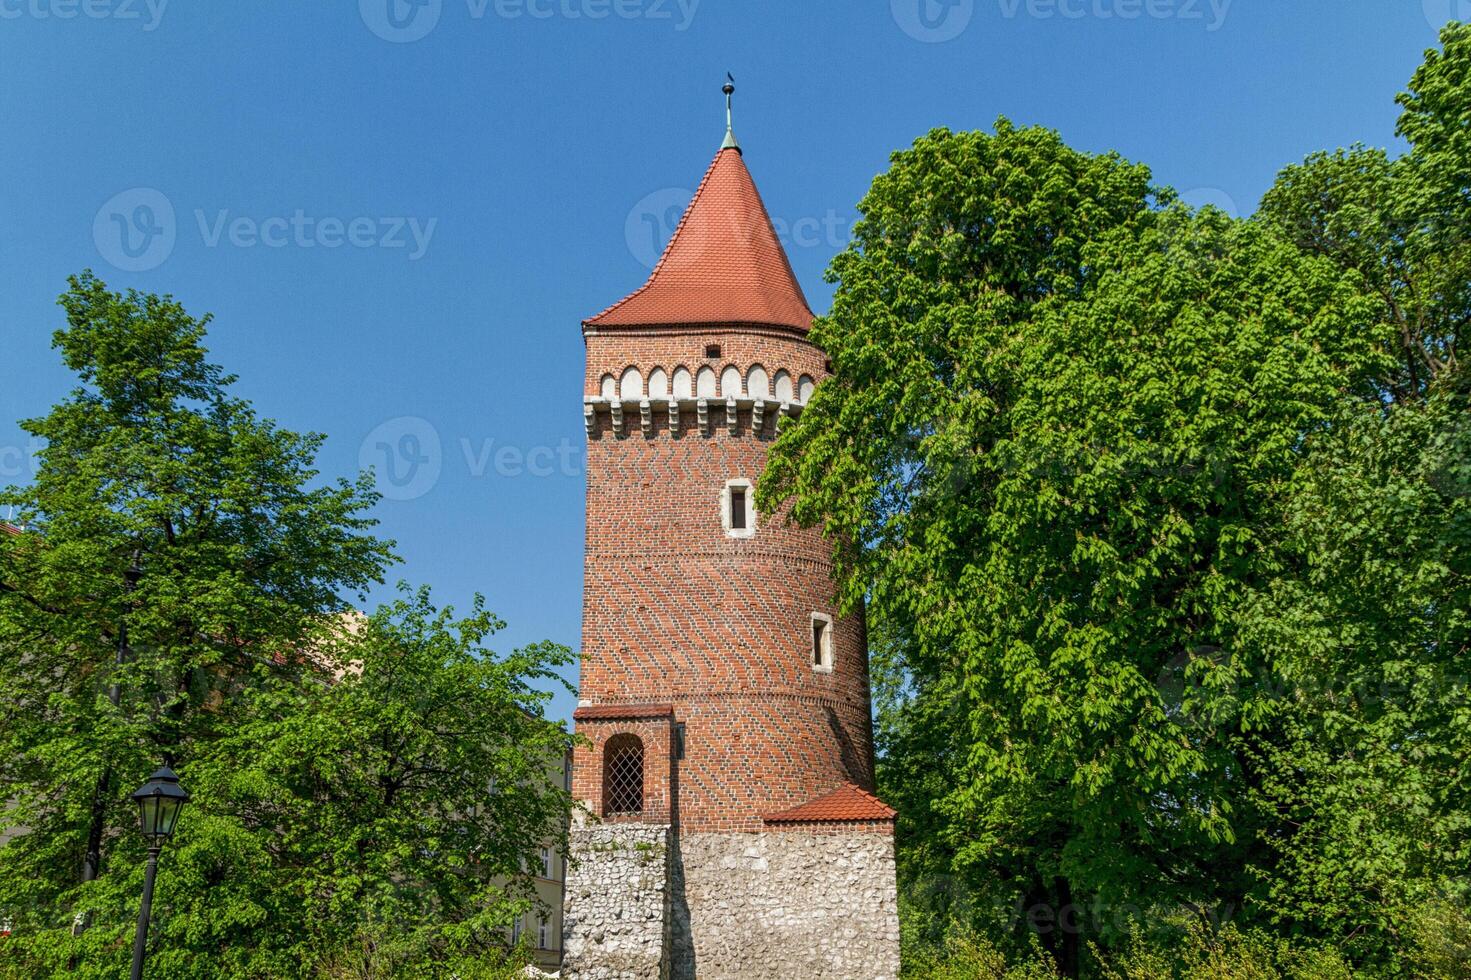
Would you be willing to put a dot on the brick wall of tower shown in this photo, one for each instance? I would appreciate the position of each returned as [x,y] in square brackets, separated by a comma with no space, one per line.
[676,612]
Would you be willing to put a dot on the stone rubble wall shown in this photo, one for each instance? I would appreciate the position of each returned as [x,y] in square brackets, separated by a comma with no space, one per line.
[615,924]
[784,905]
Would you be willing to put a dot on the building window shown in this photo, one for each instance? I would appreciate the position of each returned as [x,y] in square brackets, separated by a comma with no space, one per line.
[518,927]
[679,740]
[712,350]
[541,933]
[822,642]
[623,775]
[546,862]
[738,509]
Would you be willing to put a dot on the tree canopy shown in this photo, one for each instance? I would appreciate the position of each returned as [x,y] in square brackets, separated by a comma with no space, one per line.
[180,595]
[1161,519]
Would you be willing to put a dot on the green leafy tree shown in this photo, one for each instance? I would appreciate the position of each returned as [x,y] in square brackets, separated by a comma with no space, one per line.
[178,595]
[1160,519]
[379,816]
[1368,626]
[176,541]
[1058,412]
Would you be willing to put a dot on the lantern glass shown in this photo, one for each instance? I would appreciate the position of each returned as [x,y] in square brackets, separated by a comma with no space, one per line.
[158,815]
[159,802]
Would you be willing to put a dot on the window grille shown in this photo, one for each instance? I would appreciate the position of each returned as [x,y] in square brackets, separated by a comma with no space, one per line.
[623,775]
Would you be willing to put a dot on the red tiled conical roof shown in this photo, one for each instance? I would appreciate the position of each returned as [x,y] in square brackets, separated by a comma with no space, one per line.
[723,264]
[846,803]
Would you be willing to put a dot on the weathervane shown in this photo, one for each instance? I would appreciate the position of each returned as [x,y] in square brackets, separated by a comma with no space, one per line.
[729,89]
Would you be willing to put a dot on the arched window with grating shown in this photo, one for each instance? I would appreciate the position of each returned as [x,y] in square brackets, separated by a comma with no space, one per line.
[623,775]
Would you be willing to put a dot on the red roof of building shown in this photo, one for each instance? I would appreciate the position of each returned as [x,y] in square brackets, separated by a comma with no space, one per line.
[602,712]
[723,263]
[9,528]
[844,804]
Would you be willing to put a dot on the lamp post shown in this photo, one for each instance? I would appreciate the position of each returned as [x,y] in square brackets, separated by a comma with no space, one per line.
[159,802]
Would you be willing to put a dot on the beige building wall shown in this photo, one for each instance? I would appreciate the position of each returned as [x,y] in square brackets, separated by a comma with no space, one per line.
[541,928]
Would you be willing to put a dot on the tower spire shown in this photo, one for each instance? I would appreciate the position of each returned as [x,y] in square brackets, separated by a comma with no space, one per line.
[730,141]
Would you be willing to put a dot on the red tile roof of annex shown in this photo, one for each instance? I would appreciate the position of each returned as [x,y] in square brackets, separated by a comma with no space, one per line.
[723,264]
[846,803]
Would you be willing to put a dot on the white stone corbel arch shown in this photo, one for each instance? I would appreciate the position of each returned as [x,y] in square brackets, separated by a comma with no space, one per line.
[631,385]
[730,382]
[705,383]
[683,385]
[784,389]
[758,385]
[658,383]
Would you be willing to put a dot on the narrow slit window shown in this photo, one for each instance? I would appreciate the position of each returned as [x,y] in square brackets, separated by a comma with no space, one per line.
[822,642]
[737,509]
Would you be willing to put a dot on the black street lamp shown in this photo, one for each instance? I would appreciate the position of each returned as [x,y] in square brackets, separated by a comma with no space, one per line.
[159,802]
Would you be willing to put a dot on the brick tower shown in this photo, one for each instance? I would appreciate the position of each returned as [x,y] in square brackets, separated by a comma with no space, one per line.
[729,768]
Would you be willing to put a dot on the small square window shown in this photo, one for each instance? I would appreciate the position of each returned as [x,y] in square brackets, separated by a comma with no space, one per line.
[738,509]
[712,350]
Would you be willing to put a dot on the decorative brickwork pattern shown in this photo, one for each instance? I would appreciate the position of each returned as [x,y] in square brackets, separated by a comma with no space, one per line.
[711,640]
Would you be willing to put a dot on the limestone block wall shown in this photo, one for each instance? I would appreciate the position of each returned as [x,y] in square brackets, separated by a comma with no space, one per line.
[784,905]
[615,923]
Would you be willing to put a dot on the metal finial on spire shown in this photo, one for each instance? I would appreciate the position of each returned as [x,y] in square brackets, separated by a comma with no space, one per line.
[729,89]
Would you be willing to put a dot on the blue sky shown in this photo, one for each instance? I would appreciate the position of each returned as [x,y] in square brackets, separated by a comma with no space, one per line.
[400,210]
